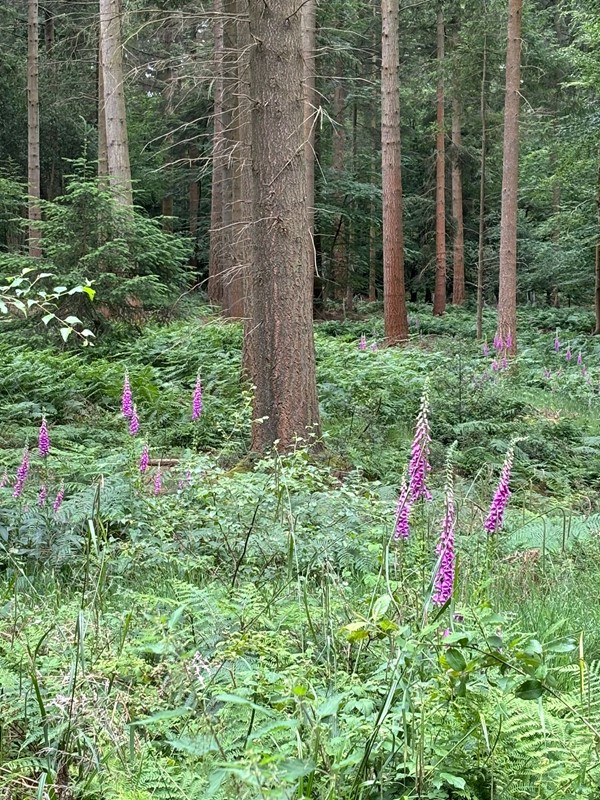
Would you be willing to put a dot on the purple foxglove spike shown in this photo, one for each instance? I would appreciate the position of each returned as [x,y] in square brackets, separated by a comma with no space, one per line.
[509,341]
[568,354]
[58,499]
[158,482]
[498,344]
[419,466]
[443,584]
[504,363]
[134,422]
[44,439]
[579,359]
[42,495]
[197,399]
[362,344]
[556,343]
[188,477]
[126,398]
[495,517]
[495,366]
[144,458]
[22,474]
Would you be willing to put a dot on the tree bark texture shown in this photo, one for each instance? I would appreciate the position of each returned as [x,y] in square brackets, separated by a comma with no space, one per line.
[507,300]
[33,127]
[439,297]
[394,299]
[309,26]
[458,250]
[102,144]
[215,282]
[229,272]
[279,333]
[168,96]
[119,170]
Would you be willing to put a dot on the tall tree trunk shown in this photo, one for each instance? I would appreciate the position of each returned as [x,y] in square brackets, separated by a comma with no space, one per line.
[279,331]
[309,26]
[215,257]
[507,300]
[119,170]
[230,58]
[33,127]
[394,299]
[193,199]
[168,96]
[339,255]
[375,140]
[242,173]
[458,259]
[439,298]
[102,145]
[481,242]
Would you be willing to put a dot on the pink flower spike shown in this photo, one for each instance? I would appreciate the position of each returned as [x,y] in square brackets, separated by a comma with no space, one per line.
[509,341]
[158,482]
[127,398]
[362,345]
[43,439]
[402,530]
[568,354]
[58,499]
[495,517]
[197,399]
[134,423]
[144,458]
[42,495]
[22,474]
[579,359]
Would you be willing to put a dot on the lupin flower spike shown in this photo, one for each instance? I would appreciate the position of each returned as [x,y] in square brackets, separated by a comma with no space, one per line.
[197,398]
[44,438]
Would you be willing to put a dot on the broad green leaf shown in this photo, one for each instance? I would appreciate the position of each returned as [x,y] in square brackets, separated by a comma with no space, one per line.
[455,660]
[530,690]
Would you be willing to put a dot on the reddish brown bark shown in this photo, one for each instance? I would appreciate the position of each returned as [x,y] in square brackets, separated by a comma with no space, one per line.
[481,243]
[458,250]
[309,24]
[507,300]
[33,128]
[439,298]
[394,299]
[339,255]
[215,282]
[279,335]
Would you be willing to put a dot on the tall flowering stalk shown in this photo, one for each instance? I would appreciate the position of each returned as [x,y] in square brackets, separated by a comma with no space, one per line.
[362,344]
[134,422]
[158,482]
[556,343]
[197,399]
[402,529]
[443,584]
[419,454]
[42,495]
[495,517]
[127,398]
[568,354]
[58,499]
[144,458]
[44,438]
[22,474]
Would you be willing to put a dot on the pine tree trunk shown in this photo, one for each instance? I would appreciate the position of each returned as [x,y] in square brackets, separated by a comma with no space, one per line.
[193,199]
[215,257]
[119,170]
[507,300]
[309,25]
[394,299]
[458,260]
[168,95]
[481,242]
[339,255]
[102,146]
[33,127]
[439,298]
[279,332]
[230,57]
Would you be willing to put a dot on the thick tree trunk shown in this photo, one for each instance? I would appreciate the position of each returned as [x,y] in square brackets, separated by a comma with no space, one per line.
[215,257]
[309,26]
[439,298]
[458,260]
[119,170]
[279,332]
[394,300]
[481,243]
[33,127]
[339,254]
[507,300]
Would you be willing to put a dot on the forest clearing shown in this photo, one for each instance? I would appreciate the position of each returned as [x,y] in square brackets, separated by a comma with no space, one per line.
[299,400]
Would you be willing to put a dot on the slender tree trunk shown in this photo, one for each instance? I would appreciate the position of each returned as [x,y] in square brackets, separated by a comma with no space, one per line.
[507,301]
[229,270]
[458,260]
[102,145]
[339,255]
[309,26]
[394,299]
[119,170]
[193,199]
[481,242]
[372,226]
[168,110]
[439,298]
[33,127]
[279,331]
[215,258]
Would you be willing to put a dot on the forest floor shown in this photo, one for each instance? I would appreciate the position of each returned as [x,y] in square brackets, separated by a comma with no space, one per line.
[250,628]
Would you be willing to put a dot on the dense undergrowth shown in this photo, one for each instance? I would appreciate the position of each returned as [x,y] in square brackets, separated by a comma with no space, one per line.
[253,630]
